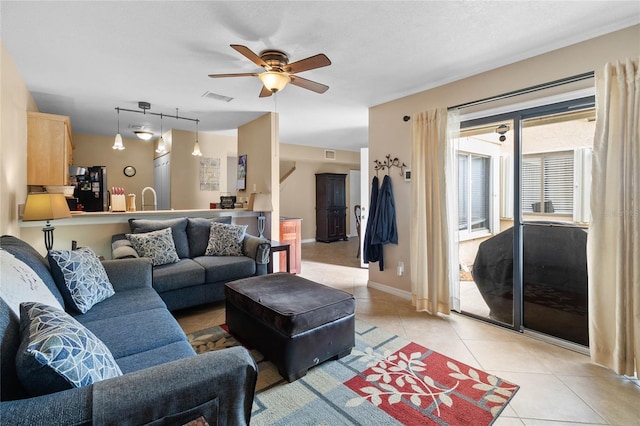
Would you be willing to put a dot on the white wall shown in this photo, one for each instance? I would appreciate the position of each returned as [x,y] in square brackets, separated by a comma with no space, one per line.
[16,101]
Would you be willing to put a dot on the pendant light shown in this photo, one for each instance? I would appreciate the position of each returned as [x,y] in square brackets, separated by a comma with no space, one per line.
[117,144]
[162,147]
[196,148]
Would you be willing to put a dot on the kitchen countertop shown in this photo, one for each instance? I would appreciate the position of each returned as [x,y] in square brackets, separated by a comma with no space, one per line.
[89,218]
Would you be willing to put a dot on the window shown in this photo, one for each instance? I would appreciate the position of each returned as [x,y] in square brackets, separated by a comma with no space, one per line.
[547,183]
[473,192]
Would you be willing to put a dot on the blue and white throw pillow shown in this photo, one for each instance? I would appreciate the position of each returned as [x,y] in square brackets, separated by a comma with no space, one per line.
[80,277]
[225,240]
[156,245]
[57,352]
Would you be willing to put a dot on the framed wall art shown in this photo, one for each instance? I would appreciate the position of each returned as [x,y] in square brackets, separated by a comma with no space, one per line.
[242,173]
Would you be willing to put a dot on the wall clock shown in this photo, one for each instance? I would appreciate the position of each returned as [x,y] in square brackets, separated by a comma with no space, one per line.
[129,171]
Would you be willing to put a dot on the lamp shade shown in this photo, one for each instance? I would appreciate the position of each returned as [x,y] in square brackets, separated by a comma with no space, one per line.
[44,206]
[274,81]
[196,150]
[262,203]
[117,143]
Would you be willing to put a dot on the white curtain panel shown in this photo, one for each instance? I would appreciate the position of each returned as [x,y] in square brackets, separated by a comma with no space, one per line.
[431,243]
[613,248]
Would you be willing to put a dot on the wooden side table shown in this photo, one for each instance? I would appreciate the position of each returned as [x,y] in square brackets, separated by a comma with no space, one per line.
[277,246]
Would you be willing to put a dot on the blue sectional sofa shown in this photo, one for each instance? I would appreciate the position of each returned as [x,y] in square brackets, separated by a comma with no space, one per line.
[195,279]
[163,381]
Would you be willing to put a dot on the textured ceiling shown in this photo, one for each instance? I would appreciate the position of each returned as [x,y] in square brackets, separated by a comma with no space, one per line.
[83,59]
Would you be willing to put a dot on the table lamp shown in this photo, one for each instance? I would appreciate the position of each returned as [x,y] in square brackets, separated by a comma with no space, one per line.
[45,206]
[262,203]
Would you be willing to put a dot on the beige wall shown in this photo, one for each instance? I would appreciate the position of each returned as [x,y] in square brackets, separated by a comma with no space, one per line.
[93,150]
[297,192]
[185,168]
[259,140]
[16,101]
[388,133]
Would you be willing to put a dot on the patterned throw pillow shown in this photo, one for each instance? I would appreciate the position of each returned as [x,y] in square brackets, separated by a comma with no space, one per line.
[157,245]
[57,352]
[80,277]
[19,283]
[225,240]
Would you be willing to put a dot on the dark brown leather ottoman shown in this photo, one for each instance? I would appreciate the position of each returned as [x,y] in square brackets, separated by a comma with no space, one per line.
[294,322]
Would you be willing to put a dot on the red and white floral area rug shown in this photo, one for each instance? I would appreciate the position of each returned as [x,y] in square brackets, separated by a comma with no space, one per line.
[387,380]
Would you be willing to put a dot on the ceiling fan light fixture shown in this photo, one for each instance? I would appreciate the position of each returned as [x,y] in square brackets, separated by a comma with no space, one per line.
[274,81]
[145,135]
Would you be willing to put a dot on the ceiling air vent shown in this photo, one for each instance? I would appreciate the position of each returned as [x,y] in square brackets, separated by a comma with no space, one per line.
[329,154]
[217,97]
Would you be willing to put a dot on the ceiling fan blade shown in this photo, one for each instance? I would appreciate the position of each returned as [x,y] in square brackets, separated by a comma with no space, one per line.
[310,63]
[248,53]
[308,84]
[244,74]
[264,93]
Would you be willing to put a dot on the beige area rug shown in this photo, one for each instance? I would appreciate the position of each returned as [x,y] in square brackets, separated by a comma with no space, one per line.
[387,380]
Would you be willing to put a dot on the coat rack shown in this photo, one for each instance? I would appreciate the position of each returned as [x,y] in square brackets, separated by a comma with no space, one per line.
[388,163]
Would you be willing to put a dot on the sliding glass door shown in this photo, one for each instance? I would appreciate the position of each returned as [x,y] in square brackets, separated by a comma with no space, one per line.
[523,207]
[556,170]
[486,282]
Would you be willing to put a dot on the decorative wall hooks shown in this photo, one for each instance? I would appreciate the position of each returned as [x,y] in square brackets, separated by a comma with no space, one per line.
[388,163]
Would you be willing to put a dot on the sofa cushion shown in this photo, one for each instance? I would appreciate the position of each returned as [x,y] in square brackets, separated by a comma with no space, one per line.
[58,353]
[225,240]
[178,230]
[185,273]
[136,332]
[198,230]
[226,268]
[156,356]
[80,277]
[23,251]
[19,283]
[134,300]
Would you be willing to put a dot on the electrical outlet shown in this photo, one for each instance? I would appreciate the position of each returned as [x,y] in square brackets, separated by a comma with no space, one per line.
[400,268]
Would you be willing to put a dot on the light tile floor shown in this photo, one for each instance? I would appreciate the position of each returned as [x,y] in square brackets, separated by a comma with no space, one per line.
[557,386]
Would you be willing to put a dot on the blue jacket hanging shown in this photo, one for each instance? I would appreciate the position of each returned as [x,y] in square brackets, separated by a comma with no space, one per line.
[372,252]
[381,227]
[386,230]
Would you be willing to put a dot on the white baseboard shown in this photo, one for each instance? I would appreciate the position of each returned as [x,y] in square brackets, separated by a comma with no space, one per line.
[310,240]
[391,290]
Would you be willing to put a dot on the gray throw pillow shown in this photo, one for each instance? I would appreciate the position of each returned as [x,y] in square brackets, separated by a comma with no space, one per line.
[225,240]
[80,277]
[156,245]
[178,231]
[58,353]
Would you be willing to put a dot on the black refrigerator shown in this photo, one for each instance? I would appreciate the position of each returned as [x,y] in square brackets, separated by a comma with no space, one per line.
[91,190]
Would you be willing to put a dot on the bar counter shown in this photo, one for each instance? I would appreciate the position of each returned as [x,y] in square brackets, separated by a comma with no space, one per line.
[94,229]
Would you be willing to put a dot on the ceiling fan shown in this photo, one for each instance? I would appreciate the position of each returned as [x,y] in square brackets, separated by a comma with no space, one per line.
[279,72]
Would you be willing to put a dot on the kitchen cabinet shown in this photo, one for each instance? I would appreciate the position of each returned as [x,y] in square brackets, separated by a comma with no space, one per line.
[331,207]
[49,149]
[291,233]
